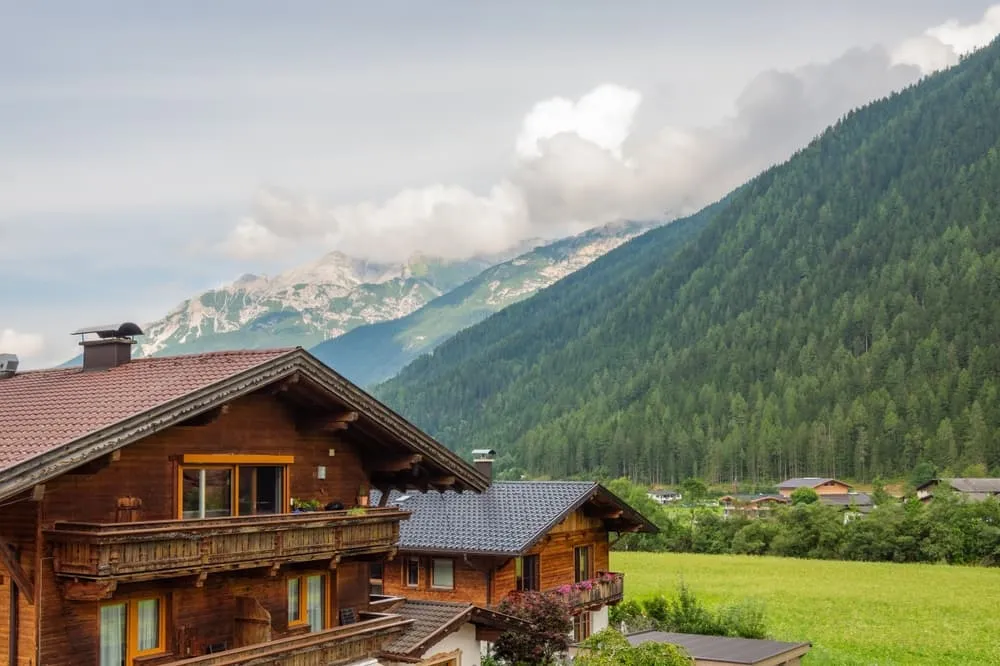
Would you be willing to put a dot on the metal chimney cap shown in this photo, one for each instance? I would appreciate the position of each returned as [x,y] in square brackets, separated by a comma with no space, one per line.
[125,330]
[483,453]
[8,365]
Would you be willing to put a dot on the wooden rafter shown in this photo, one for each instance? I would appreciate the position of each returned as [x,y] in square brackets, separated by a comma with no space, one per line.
[283,385]
[396,463]
[20,576]
[88,590]
[332,422]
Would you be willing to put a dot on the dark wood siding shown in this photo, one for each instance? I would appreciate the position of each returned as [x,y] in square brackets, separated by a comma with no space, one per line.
[147,470]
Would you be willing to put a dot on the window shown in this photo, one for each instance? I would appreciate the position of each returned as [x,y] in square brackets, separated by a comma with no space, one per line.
[582,556]
[412,572]
[443,574]
[307,601]
[526,571]
[247,486]
[375,573]
[208,492]
[131,629]
[581,626]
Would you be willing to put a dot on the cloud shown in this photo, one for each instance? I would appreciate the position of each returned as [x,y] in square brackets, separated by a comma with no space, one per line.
[579,163]
[943,45]
[23,344]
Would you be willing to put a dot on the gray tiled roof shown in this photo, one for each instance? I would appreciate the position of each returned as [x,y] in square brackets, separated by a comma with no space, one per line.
[505,519]
[857,499]
[969,485]
[806,481]
[428,617]
[720,649]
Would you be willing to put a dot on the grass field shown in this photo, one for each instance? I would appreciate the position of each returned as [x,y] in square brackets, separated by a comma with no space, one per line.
[854,613]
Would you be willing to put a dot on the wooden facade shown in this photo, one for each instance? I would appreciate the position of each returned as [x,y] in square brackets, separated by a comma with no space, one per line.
[109,539]
[488,580]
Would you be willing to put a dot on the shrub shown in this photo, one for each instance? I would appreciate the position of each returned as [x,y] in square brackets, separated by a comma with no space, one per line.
[548,615]
[610,648]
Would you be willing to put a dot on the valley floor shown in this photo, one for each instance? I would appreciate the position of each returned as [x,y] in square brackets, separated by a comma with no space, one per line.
[854,613]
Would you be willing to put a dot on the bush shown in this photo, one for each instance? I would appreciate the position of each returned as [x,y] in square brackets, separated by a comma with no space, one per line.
[548,615]
[685,613]
[610,648]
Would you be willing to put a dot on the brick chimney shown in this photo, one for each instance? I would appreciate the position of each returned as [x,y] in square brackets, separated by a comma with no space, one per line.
[483,460]
[112,346]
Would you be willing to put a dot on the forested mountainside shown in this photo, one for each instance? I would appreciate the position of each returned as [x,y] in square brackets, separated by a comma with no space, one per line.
[373,353]
[838,317]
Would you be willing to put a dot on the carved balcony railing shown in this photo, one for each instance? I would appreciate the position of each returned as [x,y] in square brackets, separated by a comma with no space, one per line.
[340,645]
[120,552]
[606,588]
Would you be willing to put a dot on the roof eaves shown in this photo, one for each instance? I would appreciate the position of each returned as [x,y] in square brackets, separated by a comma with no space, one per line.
[393,422]
[541,532]
[448,627]
[49,464]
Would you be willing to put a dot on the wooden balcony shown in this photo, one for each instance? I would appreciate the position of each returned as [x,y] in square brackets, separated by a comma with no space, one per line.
[606,588]
[339,645]
[122,552]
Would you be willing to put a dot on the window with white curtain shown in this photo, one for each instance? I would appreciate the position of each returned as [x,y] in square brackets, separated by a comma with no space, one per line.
[294,609]
[315,602]
[443,574]
[130,629]
[147,625]
[113,634]
[307,601]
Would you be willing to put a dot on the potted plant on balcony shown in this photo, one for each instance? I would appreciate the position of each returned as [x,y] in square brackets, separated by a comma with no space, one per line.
[304,505]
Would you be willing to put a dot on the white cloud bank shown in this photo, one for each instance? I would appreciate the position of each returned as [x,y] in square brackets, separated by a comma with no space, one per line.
[582,163]
[22,344]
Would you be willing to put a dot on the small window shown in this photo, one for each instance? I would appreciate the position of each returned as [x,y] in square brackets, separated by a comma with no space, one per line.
[581,626]
[294,605]
[526,572]
[375,578]
[412,572]
[583,555]
[443,574]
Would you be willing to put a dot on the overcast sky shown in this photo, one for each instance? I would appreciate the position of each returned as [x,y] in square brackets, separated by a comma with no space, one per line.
[152,150]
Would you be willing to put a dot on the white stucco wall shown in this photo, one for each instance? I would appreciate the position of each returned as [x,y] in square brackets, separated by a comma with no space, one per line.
[464,639]
[598,620]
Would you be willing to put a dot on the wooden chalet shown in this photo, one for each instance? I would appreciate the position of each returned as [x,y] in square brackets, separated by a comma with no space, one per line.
[822,486]
[514,537]
[972,489]
[750,506]
[147,510]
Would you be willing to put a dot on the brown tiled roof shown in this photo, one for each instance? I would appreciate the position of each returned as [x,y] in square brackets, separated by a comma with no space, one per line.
[433,620]
[429,619]
[44,409]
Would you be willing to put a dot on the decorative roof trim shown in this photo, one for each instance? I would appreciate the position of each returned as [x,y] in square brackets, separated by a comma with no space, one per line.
[62,458]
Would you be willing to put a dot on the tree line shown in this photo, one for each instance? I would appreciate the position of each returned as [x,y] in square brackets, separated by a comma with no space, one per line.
[948,529]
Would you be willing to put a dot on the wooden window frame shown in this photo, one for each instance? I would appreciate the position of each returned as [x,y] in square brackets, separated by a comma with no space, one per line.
[583,626]
[233,462]
[131,604]
[434,585]
[379,581]
[590,560]
[406,573]
[521,561]
[304,599]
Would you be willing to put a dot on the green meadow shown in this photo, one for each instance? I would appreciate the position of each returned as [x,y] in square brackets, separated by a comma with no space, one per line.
[853,613]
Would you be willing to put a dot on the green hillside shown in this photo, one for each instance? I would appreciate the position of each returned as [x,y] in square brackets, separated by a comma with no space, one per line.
[839,316]
[370,354]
